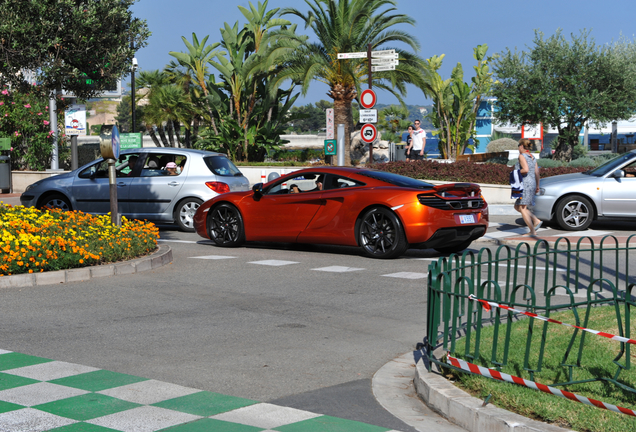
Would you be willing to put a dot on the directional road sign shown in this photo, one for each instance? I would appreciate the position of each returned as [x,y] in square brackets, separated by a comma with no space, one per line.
[368,99]
[384,60]
[368,116]
[382,53]
[368,133]
[381,68]
[352,55]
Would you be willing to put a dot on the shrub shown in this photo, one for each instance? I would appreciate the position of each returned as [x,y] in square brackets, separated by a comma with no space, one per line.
[579,151]
[549,163]
[501,144]
[587,162]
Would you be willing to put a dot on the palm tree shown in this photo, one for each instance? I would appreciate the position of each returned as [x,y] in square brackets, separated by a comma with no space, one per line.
[195,61]
[343,26]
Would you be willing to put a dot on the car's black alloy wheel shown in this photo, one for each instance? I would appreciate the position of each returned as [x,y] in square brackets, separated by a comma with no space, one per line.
[381,234]
[225,226]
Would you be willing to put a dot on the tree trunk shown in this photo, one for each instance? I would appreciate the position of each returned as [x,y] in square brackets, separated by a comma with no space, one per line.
[342,96]
[153,135]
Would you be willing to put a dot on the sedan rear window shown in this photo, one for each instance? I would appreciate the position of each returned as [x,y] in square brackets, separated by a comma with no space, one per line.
[396,179]
[222,166]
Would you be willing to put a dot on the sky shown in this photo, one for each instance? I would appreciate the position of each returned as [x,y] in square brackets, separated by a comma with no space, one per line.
[452,27]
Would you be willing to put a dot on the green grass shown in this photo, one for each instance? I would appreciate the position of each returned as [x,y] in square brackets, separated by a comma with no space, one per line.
[597,359]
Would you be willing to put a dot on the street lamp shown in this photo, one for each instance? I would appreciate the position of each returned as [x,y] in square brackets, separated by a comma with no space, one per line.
[135,65]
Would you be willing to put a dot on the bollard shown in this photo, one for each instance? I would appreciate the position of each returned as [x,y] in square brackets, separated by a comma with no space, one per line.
[263,179]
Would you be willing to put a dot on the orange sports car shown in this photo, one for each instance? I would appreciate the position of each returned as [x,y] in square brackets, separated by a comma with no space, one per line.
[381,212]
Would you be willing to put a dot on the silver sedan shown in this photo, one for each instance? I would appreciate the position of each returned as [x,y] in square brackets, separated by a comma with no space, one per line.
[158,184]
[574,201]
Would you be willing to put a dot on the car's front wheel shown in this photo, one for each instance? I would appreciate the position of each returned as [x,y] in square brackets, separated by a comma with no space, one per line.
[225,226]
[185,213]
[574,213]
[56,201]
[381,234]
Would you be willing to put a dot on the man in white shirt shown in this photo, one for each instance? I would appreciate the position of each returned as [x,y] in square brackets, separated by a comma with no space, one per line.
[418,142]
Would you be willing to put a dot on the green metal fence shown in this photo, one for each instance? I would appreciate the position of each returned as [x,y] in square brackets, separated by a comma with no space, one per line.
[541,279]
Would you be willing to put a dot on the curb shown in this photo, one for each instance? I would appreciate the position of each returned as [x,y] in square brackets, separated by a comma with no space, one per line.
[467,411]
[157,259]
[621,241]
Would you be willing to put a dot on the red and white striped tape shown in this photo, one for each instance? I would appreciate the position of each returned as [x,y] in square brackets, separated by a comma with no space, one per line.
[491,373]
[487,305]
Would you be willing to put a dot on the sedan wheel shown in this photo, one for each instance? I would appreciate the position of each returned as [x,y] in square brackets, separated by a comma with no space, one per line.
[381,234]
[185,213]
[56,201]
[574,213]
[225,226]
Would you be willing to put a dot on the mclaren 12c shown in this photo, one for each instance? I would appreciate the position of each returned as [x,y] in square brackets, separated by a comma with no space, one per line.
[382,213]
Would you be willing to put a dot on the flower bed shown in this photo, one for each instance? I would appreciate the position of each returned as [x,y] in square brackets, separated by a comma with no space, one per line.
[44,240]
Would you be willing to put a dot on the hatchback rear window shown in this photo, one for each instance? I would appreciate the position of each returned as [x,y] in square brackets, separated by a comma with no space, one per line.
[222,166]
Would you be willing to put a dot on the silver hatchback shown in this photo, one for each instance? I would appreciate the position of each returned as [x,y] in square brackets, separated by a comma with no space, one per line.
[164,185]
[574,201]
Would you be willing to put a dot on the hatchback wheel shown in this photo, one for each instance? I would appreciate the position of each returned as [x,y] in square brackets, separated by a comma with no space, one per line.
[225,226]
[574,213]
[56,201]
[185,213]
[381,234]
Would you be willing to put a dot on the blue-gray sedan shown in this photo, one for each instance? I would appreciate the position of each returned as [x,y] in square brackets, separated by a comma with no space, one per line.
[164,185]
[574,201]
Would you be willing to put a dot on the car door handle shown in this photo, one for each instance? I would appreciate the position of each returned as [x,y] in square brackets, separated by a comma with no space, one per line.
[173,183]
[121,184]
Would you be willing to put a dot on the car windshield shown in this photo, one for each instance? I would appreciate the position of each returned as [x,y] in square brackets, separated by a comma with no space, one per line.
[612,165]
[222,166]
[397,180]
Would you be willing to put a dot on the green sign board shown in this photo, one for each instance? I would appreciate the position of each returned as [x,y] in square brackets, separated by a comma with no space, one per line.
[330,147]
[129,141]
[5,143]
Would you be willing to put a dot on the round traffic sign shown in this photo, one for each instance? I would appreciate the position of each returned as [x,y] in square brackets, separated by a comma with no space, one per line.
[368,99]
[368,133]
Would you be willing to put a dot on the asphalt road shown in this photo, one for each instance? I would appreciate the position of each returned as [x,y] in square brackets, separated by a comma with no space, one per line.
[301,326]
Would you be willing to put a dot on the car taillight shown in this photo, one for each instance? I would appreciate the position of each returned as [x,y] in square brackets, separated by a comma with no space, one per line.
[218,187]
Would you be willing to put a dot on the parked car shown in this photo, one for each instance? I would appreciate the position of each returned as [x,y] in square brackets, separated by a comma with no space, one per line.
[574,201]
[381,212]
[158,184]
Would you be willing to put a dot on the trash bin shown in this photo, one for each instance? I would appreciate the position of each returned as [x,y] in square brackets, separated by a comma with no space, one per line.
[5,173]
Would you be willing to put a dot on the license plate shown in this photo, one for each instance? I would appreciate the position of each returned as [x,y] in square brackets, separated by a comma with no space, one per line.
[466,219]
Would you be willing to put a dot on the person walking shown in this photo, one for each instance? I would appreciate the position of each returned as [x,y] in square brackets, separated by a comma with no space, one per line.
[418,142]
[409,143]
[530,172]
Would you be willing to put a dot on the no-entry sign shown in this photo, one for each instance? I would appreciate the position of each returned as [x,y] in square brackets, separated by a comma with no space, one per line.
[368,133]
[368,99]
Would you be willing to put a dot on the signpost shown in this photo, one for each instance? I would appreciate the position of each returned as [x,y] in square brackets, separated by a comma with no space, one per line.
[330,147]
[378,61]
[368,133]
[109,147]
[369,116]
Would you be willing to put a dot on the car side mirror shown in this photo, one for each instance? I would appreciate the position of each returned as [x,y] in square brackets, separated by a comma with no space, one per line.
[258,190]
[618,174]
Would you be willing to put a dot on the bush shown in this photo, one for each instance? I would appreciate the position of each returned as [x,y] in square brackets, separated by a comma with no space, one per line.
[549,163]
[587,162]
[579,151]
[464,171]
[501,144]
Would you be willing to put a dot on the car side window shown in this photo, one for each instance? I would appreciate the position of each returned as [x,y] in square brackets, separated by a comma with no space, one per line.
[337,182]
[100,170]
[630,170]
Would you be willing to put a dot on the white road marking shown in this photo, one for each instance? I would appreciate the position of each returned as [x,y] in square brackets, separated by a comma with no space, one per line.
[273,262]
[407,275]
[213,257]
[338,269]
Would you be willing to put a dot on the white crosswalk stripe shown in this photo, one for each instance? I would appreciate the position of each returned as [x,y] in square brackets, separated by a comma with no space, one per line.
[338,269]
[407,275]
[273,262]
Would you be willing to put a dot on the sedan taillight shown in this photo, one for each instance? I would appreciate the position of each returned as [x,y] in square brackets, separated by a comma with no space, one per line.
[218,187]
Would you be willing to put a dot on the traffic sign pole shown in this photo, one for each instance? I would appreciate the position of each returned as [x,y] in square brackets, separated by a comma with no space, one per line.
[370,87]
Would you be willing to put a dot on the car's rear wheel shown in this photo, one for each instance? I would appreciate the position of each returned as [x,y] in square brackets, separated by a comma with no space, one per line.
[185,213]
[56,201]
[381,234]
[225,226]
[454,249]
[574,213]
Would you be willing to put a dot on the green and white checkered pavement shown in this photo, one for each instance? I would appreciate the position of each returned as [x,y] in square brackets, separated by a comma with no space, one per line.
[39,394]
